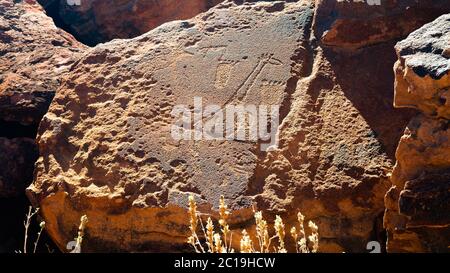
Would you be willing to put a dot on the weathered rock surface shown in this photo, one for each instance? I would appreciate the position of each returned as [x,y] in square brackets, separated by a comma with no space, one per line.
[416,215]
[417,206]
[355,24]
[426,200]
[17,157]
[106,148]
[34,54]
[96,21]
[423,70]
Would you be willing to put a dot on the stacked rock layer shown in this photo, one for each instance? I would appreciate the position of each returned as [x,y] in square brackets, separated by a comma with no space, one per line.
[418,205]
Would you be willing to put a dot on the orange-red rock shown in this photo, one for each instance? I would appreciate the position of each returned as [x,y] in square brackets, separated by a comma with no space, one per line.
[417,206]
[106,149]
[356,24]
[416,215]
[34,55]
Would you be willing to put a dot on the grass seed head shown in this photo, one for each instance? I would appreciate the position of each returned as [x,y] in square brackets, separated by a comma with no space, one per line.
[210,234]
[246,243]
[193,214]
[279,228]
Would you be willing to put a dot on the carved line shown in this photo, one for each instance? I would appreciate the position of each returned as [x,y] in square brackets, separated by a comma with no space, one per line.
[242,92]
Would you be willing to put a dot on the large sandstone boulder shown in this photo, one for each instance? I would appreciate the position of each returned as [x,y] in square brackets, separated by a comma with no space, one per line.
[417,206]
[359,23]
[96,21]
[107,150]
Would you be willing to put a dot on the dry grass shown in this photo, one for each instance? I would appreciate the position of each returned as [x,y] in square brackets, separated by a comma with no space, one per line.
[28,218]
[221,242]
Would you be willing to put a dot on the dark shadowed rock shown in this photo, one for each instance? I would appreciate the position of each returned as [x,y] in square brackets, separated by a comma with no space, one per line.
[17,157]
[426,200]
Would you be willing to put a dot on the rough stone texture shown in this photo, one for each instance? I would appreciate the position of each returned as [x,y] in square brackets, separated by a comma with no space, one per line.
[17,157]
[96,21]
[34,54]
[417,206]
[426,200]
[359,23]
[423,69]
[333,161]
[106,149]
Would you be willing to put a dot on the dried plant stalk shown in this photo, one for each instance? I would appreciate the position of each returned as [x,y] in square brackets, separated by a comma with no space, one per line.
[217,242]
[26,224]
[193,239]
[42,226]
[279,228]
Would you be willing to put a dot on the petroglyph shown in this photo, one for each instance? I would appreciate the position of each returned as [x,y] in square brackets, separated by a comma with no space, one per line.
[271,91]
[203,50]
[128,142]
[240,94]
[223,73]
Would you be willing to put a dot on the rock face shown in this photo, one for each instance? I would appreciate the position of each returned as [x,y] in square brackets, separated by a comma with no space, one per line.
[107,150]
[33,56]
[355,24]
[417,206]
[96,21]
[422,72]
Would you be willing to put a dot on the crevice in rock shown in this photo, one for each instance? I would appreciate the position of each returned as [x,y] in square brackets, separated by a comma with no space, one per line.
[52,8]
[11,130]
[14,203]
[379,233]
